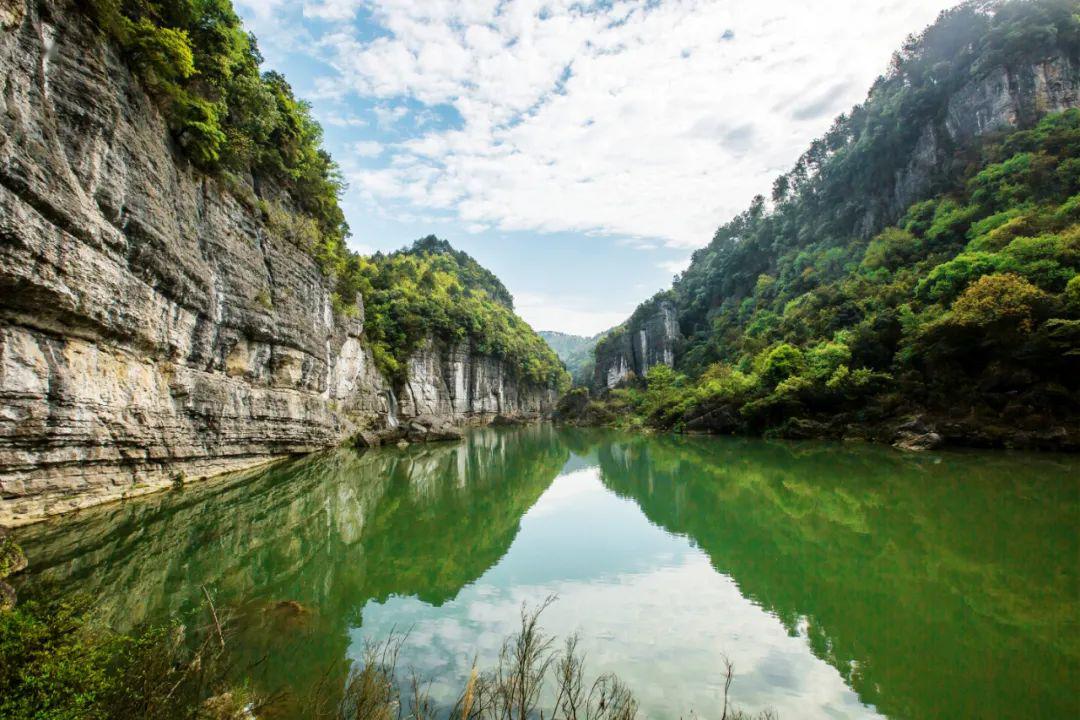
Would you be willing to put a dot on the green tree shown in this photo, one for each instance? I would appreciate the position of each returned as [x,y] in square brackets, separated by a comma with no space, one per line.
[781,363]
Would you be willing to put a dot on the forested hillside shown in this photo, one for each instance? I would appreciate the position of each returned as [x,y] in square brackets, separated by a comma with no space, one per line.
[847,300]
[432,290]
[575,351]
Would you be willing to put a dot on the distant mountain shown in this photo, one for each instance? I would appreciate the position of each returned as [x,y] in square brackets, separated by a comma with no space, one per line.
[575,351]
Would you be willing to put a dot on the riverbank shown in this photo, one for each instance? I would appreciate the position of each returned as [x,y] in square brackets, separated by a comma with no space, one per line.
[895,423]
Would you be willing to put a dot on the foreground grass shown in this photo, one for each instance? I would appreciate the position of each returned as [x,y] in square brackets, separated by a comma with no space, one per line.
[58,663]
[532,668]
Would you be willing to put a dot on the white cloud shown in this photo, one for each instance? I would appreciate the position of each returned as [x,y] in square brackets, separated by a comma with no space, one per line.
[327,88]
[387,115]
[332,9]
[652,120]
[261,9]
[367,148]
[676,266]
[577,316]
[337,119]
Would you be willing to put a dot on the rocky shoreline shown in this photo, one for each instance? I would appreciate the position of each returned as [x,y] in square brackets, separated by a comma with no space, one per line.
[911,429]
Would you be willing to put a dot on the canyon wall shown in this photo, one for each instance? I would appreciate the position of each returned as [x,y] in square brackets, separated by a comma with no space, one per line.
[638,346]
[155,323]
[1002,99]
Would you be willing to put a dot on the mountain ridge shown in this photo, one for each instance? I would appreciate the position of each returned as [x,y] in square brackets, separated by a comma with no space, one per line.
[816,268]
[575,352]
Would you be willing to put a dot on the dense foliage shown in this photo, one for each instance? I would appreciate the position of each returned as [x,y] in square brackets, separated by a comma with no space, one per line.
[971,302]
[57,662]
[575,351]
[805,307]
[434,291]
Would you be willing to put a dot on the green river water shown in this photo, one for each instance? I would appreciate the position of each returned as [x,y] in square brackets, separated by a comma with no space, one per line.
[844,581]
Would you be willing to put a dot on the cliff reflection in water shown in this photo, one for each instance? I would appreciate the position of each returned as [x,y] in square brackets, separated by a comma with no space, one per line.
[932,586]
[938,586]
[329,532]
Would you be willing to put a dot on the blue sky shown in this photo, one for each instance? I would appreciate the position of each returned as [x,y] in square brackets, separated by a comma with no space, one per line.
[580,149]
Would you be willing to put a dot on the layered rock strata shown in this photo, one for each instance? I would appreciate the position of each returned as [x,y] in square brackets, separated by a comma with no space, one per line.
[155,323]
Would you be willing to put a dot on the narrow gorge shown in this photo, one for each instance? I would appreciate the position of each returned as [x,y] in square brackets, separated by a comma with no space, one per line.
[383,359]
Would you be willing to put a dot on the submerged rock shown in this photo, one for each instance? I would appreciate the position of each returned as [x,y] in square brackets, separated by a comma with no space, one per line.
[431,428]
[916,435]
[366,439]
[917,442]
[290,606]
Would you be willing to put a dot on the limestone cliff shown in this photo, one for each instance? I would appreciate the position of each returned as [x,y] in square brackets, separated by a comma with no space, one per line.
[649,338]
[454,382]
[153,323]
[1004,98]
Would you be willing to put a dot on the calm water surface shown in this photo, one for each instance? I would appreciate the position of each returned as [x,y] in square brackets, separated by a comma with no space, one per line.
[843,581]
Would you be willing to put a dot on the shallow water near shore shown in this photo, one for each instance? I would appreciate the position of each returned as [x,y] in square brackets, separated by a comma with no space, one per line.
[842,580]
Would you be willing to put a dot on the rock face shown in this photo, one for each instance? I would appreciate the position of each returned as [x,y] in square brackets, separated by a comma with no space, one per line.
[455,382]
[153,323]
[1002,99]
[638,346]
[1013,97]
